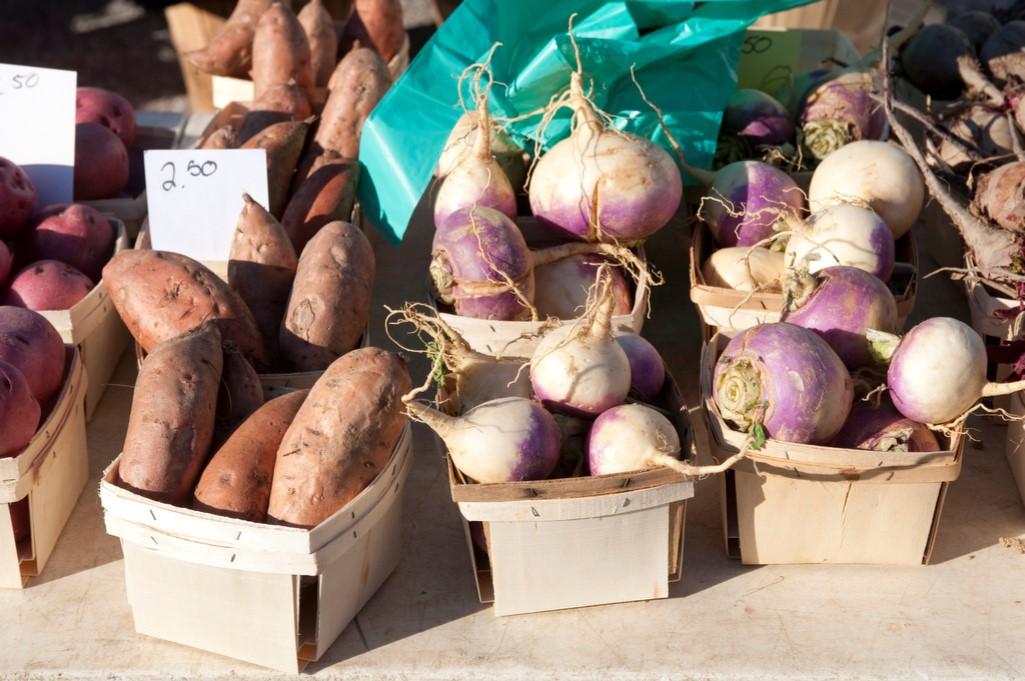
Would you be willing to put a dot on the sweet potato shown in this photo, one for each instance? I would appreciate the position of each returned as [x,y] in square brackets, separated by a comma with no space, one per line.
[284,144]
[326,195]
[101,163]
[221,138]
[78,235]
[359,82]
[30,343]
[230,51]
[109,109]
[261,268]
[19,410]
[280,51]
[236,482]
[160,295]
[17,199]
[240,393]
[378,24]
[341,438]
[278,103]
[47,285]
[171,423]
[330,301]
[322,38]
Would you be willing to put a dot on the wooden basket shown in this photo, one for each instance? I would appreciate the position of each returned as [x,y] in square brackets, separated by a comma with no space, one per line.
[798,503]
[580,541]
[985,306]
[728,310]
[48,475]
[272,595]
[95,327]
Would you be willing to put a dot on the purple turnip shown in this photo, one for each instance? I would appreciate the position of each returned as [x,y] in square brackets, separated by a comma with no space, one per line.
[744,268]
[785,380]
[840,111]
[930,59]
[561,287]
[841,304]
[757,119]
[579,369]
[503,440]
[478,179]
[603,184]
[883,429]
[877,174]
[647,370]
[937,370]
[745,202]
[842,234]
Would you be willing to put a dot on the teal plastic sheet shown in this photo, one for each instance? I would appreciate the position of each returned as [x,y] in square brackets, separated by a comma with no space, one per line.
[684,56]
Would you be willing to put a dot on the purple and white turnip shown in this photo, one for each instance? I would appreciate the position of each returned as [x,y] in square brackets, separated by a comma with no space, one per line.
[842,234]
[647,370]
[841,304]
[561,287]
[785,380]
[840,111]
[746,200]
[884,429]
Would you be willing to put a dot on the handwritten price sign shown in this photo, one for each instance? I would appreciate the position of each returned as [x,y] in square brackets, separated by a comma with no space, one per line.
[194,197]
[37,127]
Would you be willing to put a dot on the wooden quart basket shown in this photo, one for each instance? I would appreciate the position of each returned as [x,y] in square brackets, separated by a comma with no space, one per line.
[797,503]
[272,595]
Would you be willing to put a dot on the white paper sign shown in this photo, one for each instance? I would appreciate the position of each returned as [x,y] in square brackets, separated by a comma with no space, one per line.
[195,196]
[37,127]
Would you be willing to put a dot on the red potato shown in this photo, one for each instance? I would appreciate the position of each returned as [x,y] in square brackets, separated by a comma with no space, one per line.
[236,483]
[171,423]
[341,438]
[377,23]
[330,300]
[284,144]
[230,51]
[281,52]
[101,163]
[359,83]
[29,342]
[322,38]
[326,195]
[109,109]
[261,267]
[48,285]
[6,261]
[160,295]
[240,394]
[17,199]
[78,235]
[19,411]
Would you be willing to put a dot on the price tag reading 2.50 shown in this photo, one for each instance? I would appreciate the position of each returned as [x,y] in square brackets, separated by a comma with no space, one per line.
[204,169]
[194,197]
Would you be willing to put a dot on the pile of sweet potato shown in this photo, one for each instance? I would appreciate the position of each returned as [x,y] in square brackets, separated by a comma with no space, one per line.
[200,433]
[282,312]
[51,258]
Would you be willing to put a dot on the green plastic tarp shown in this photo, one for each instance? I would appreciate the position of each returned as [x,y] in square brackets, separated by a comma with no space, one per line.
[684,55]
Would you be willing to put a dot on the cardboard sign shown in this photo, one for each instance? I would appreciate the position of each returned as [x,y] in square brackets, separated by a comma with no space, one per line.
[768,59]
[194,197]
[37,127]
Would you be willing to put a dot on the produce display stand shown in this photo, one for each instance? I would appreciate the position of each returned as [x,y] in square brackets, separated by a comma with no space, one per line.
[729,310]
[50,474]
[797,503]
[578,541]
[93,325]
[272,595]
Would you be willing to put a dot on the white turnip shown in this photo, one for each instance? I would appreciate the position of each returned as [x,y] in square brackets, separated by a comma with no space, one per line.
[842,234]
[463,139]
[877,174]
[503,440]
[744,269]
[561,287]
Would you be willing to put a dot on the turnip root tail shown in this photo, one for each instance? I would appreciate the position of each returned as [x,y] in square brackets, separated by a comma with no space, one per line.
[692,471]
[434,419]
[601,324]
[996,389]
